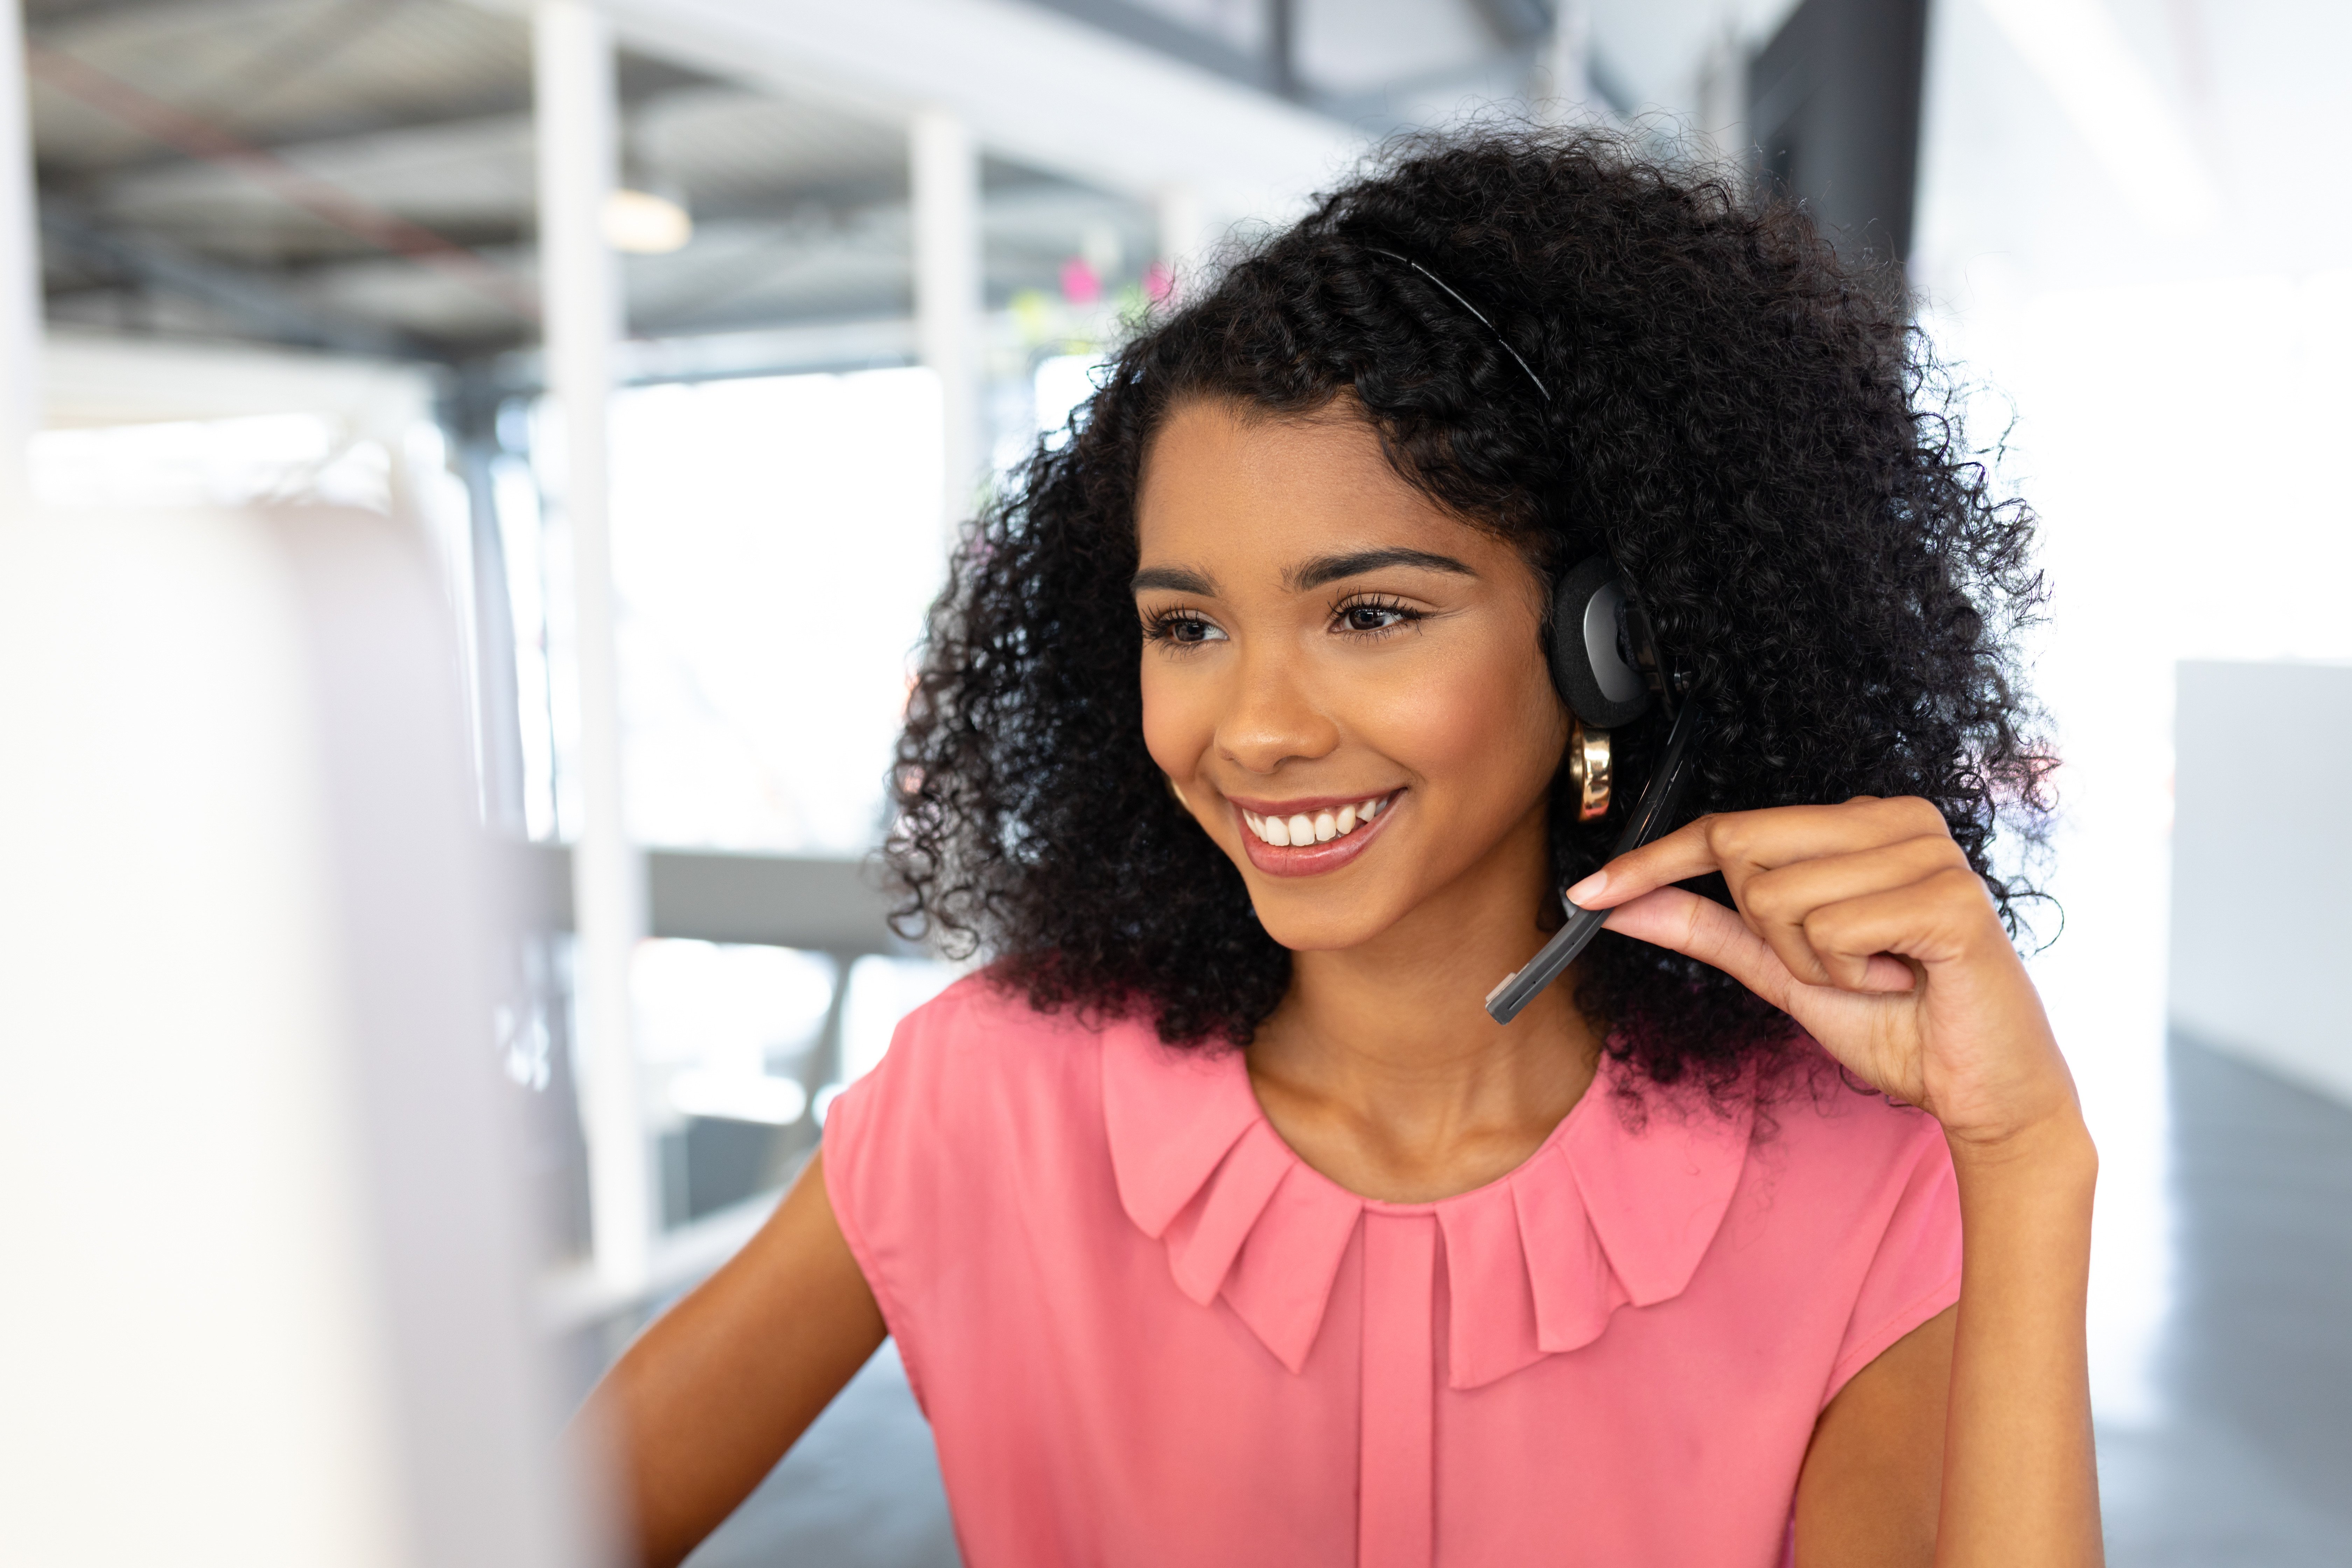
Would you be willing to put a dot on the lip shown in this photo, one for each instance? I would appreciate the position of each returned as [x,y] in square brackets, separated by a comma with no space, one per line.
[1308,859]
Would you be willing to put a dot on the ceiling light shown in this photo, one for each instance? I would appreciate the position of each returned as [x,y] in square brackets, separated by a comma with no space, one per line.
[645,224]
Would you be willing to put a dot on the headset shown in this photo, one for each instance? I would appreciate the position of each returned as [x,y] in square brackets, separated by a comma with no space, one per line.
[1609,669]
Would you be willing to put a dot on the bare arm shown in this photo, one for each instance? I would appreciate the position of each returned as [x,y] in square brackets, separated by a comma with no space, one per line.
[1867,1496]
[2018,1449]
[1866,923]
[707,1401]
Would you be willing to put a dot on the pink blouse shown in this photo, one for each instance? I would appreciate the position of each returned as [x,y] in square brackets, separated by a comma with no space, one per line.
[1147,1333]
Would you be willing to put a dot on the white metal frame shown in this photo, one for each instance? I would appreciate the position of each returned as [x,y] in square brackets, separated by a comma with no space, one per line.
[944,169]
[578,166]
[20,271]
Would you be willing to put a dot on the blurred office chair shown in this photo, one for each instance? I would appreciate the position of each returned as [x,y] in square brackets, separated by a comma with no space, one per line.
[263,1267]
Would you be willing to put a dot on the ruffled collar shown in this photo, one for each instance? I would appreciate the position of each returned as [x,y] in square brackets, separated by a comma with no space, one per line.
[1602,1216]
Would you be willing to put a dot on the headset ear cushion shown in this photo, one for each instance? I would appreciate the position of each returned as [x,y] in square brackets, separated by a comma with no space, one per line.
[1589,646]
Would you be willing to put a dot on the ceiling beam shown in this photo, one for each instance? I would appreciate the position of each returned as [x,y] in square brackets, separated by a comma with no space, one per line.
[1056,93]
[296,186]
[642,81]
[1164,35]
[1516,23]
[249,301]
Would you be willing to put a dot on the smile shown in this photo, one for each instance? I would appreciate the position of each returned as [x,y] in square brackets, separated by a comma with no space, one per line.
[1319,827]
[1308,838]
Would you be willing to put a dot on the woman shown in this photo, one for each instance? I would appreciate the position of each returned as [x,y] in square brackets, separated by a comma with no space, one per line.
[1215,1220]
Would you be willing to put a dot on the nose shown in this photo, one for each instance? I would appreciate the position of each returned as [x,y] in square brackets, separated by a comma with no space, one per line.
[1272,717]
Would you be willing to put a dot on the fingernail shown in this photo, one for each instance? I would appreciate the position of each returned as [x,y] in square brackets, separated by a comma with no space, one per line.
[1591,888]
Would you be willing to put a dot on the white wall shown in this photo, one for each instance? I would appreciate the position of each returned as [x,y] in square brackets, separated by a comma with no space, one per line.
[2262,856]
[2163,380]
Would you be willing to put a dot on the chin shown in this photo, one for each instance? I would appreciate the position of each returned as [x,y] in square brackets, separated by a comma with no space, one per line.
[1301,926]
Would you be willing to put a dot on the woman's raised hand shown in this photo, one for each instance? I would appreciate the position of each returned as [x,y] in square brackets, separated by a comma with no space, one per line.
[1866,923]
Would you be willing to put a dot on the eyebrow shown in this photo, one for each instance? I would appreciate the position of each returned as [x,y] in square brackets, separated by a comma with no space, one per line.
[1332,568]
[1309,574]
[1175,580]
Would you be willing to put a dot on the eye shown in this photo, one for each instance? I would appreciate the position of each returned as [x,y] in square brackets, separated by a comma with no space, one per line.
[1374,614]
[1182,628]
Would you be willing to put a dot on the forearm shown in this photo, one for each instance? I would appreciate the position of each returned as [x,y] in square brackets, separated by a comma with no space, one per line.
[2021,1478]
[712,1394]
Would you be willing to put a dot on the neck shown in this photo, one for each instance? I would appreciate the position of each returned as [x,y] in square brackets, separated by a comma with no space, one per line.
[1381,1068]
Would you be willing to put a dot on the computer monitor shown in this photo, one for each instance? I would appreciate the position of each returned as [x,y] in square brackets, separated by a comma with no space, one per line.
[266,1288]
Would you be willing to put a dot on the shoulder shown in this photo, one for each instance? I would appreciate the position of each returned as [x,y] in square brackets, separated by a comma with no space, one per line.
[1800,1124]
[978,1137]
[983,1026]
[1836,1173]
[1847,1174]
[985,1113]
[977,1062]
[1814,1116]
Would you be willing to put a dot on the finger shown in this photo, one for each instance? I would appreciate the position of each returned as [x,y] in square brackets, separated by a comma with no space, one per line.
[1688,851]
[1776,902]
[1739,842]
[1700,927]
[1884,973]
[1678,918]
[1939,920]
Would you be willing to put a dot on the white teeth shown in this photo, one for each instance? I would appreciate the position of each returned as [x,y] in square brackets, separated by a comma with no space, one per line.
[1320,828]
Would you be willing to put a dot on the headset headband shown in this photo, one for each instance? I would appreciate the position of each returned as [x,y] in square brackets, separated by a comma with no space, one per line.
[1455,295]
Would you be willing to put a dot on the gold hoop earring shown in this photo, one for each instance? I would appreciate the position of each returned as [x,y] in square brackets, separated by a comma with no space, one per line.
[1177,790]
[1588,771]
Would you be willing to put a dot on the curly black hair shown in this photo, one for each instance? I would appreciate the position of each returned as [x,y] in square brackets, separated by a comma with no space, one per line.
[1747,423]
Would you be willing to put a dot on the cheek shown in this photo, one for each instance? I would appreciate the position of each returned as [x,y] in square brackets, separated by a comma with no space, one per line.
[1484,724]
[1179,717]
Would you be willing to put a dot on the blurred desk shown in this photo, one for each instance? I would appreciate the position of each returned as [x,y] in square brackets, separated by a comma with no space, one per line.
[824,905]
[831,905]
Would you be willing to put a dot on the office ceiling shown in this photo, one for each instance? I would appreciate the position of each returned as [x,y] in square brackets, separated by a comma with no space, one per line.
[357,174]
